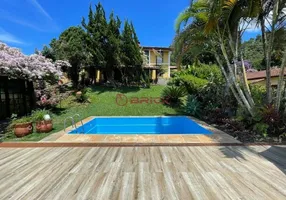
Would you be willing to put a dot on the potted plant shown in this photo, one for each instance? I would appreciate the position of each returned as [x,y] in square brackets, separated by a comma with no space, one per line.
[22,126]
[43,121]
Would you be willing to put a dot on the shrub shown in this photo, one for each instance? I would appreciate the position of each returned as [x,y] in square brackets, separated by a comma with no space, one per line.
[273,119]
[193,106]
[15,120]
[243,116]
[261,129]
[38,115]
[21,120]
[81,96]
[193,84]
[211,73]
[47,97]
[173,95]
[258,93]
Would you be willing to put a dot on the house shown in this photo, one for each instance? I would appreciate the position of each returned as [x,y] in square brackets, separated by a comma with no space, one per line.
[259,77]
[159,61]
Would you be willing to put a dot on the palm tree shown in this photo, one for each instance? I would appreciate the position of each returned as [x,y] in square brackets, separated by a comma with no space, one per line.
[224,22]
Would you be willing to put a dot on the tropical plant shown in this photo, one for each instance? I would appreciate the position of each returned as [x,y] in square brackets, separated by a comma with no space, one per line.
[261,128]
[220,25]
[193,106]
[172,95]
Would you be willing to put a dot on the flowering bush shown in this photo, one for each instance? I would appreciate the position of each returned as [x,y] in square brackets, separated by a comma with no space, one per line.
[15,64]
[47,97]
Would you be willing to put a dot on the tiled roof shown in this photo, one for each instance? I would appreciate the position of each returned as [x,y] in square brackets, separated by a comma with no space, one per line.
[262,74]
[157,48]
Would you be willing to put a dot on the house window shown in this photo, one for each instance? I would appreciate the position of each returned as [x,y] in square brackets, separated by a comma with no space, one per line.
[147,54]
[159,59]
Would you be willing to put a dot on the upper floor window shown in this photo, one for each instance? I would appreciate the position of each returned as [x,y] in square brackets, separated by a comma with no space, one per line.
[147,54]
[159,58]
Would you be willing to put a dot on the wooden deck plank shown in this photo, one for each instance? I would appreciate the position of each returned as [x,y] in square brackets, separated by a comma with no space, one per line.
[143,173]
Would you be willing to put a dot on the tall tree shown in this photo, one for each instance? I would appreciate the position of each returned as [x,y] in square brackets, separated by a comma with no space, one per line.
[70,46]
[131,55]
[113,46]
[48,53]
[96,35]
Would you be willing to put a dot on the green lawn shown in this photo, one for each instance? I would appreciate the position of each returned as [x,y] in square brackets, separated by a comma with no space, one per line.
[103,103]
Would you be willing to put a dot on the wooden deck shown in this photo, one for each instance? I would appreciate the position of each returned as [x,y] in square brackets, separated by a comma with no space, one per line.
[256,172]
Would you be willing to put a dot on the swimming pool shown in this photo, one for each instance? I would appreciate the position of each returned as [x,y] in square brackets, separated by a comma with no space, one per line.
[141,125]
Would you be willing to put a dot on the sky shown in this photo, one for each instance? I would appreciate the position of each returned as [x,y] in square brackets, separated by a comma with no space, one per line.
[30,24]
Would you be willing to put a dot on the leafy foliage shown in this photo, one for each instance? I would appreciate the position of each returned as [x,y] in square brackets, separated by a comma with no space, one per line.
[193,106]
[22,120]
[38,115]
[193,84]
[81,96]
[70,46]
[261,128]
[173,95]
[110,49]
[258,93]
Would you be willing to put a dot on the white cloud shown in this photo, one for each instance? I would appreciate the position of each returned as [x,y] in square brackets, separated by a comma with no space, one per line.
[6,15]
[40,8]
[9,38]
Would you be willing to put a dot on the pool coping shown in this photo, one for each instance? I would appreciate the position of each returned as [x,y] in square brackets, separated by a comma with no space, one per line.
[91,145]
[217,137]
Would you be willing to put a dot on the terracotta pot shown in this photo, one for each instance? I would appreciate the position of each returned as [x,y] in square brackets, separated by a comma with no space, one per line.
[44,126]
[21,130]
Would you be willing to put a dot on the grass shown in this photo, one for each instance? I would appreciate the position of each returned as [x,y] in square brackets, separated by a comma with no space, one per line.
[103,103]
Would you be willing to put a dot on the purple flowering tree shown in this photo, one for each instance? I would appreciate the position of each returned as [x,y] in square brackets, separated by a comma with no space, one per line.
[14,64]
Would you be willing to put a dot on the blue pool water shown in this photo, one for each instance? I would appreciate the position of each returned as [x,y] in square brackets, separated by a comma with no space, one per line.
[141,125]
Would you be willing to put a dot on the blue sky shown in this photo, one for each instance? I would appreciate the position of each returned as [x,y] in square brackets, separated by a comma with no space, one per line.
[30,24]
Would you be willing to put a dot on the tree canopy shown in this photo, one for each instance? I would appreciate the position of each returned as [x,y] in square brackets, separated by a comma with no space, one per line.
[98,43]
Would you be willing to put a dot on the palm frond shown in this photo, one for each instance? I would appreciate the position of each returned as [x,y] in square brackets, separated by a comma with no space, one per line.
[229,4]
[183,18]
[211,25]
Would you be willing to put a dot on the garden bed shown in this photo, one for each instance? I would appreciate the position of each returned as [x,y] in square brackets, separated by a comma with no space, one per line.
[247,136]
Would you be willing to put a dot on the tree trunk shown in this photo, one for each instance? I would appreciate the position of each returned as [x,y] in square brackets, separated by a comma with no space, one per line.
[267,59]
[234,46]
[281,83]
[227,80]
[269,48]
[245,84]
[246,103]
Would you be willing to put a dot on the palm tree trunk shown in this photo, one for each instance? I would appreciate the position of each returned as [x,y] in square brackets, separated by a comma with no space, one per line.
[245,84]
[281,83]
[234,47]
[269,47]
[267,59]
[246,103]
[227,80]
